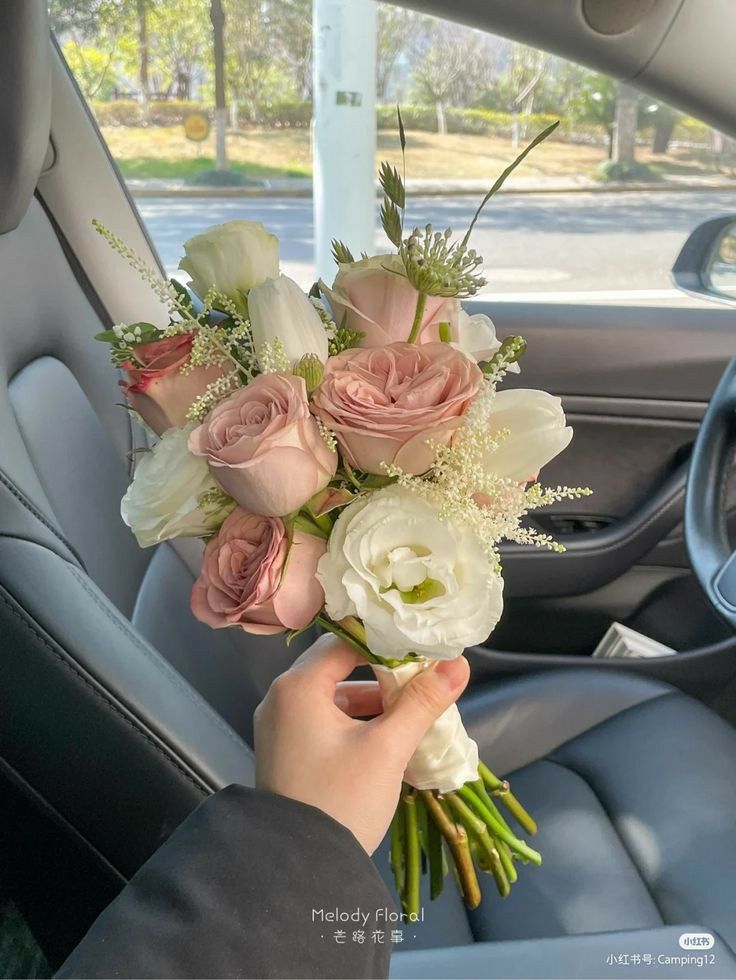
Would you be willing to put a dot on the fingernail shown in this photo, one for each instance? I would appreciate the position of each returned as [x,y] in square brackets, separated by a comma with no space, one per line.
[342,702]
[453,674]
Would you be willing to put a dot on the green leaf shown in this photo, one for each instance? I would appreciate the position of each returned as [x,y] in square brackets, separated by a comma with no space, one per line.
[402,132]
[392,184]
[539,138]
[148,332]
[391,221]
[341,253]
[183,293]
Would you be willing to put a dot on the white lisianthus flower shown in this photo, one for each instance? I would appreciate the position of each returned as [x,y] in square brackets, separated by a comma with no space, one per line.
[280,311]
[537,432]
[231,258]
[162,502]
[420,584]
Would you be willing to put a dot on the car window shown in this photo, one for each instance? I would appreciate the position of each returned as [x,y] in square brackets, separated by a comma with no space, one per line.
[601,210]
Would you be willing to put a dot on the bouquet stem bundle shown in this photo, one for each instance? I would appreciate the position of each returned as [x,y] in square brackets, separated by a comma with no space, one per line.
[463,828]
[465,825]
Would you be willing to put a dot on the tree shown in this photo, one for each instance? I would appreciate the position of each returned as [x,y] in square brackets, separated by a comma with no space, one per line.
[435,76]
[290,28]
[90,67]
[254,76]
[179,44]
[595,103]
[142,7]
[396,25]
[96,36]
[217,16]
[451,65]
[662,118]
[624,127]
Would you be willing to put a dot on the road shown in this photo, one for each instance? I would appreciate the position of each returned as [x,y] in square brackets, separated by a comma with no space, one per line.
[551,243]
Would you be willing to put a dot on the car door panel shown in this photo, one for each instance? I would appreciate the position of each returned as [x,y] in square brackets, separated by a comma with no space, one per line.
[635,382]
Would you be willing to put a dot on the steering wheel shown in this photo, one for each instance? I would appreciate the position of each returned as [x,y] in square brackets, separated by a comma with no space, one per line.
[706,537]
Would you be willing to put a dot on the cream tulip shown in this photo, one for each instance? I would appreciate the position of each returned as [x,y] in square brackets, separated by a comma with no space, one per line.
[536,432]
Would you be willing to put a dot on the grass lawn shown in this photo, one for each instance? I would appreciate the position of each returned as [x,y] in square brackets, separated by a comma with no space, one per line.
[164,151]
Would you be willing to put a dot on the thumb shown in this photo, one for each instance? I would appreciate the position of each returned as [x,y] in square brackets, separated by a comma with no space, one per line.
[423,700]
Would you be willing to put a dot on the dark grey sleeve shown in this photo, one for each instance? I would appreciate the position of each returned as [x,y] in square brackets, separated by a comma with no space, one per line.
[248,886]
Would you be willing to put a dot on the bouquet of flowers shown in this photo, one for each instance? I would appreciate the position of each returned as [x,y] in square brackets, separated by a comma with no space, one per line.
[350,462]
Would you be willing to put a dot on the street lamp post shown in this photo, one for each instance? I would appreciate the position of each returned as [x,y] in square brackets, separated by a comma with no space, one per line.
[344,133]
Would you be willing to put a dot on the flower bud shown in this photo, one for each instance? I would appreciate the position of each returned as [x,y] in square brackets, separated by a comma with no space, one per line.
[311,369]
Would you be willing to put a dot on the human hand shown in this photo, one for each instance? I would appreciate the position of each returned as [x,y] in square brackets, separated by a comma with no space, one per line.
[310,745]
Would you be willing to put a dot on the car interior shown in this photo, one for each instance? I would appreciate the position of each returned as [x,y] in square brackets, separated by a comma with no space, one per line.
[119,713]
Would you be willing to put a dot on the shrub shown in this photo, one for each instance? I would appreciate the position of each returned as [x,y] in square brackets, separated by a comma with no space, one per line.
[479,122]
[625,172]
[122,113]
[282,115]
[130,113]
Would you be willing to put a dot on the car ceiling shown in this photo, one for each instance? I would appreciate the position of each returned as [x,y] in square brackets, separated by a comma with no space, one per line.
[681,51]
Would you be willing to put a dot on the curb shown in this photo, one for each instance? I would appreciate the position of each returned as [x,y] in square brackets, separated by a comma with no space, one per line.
[448,190]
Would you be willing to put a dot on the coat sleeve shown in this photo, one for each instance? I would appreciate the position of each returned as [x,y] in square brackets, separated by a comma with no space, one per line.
[248,886]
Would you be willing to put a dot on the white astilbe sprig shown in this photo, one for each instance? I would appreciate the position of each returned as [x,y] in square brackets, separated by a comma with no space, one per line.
[215,392]
[272,358]
[465,490]
[163,289]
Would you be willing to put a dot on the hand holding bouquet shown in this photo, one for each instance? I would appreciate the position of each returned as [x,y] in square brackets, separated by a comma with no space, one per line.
[350,462]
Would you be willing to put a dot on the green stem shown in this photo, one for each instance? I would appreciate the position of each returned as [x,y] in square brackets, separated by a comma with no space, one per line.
[310,525]
[479,831]
[502,790]
[504,852]
[457,840]
[327,624]
[413,868]
[521,848]
[398,844]
[418,317]
[479,788]
[324,522]
[434,856]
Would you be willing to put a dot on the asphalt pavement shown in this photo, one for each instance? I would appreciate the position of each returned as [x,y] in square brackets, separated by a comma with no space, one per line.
[542,243]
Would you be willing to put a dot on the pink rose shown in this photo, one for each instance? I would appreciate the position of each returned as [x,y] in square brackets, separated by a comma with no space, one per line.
[385,404]
[264,447]
[375,297]
[155,387]
[251,578]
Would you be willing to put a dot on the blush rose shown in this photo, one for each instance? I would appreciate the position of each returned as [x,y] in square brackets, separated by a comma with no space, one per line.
[264,447]
[386,404]
[155,387]
[374,296]
[252,578]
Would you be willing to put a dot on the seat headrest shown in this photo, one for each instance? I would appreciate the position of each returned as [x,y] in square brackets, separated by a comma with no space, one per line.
[25,104]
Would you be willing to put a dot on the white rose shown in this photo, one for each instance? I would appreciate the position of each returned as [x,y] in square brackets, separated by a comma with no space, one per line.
[537,432]
[419,584]
[231,258]
[279,310]
[476,336]
[162,500]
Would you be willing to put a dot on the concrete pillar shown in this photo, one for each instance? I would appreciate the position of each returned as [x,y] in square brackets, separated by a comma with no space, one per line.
[344,134]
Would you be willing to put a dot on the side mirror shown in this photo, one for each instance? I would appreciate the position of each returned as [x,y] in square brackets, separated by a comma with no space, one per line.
[706,265]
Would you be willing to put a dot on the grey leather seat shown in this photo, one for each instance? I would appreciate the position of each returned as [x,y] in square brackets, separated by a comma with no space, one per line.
[119,713]
[634,786]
